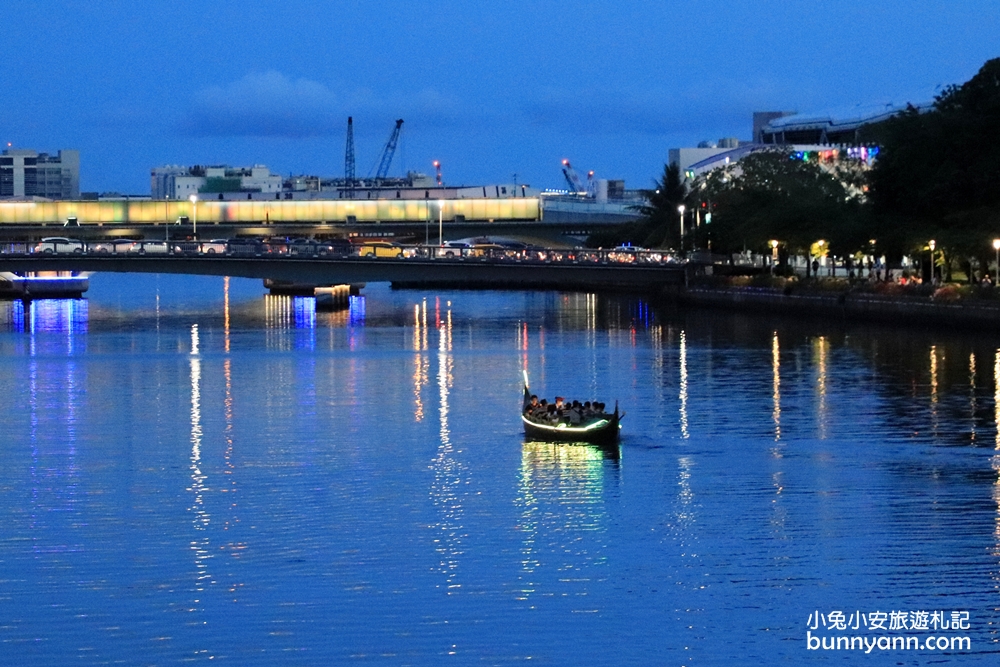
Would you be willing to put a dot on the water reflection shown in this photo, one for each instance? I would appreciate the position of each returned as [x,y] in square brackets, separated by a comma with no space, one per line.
[225,309]
[821,350]
[449,471]
[561,499]
[285,314]
[234,545]
[683,386]
[933,367]
[69,316]
[776,385]
[200,543]
[421,360]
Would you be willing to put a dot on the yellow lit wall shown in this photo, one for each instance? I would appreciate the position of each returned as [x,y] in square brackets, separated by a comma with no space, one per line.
[333,211]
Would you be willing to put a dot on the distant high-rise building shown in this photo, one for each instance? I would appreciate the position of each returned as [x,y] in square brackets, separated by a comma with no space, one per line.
[26,173]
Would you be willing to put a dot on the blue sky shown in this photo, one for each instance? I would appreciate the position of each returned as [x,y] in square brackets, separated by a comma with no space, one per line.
[490,89]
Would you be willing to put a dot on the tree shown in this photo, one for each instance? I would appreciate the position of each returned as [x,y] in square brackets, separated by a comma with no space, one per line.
[777,194]
[660,222]
[937,170]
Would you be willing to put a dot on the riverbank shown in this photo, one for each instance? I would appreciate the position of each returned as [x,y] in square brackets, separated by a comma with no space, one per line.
[948,305]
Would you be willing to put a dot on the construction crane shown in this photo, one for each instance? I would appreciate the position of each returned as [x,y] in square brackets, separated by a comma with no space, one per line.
[437,168]
[349,176]
[575,186]
[388,151]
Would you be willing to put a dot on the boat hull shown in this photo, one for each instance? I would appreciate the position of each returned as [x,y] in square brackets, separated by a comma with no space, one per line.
[606,434]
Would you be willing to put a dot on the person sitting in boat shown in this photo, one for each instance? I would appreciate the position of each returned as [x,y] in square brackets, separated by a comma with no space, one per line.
[574,414]
[552,415]
[540,410]
[532,405]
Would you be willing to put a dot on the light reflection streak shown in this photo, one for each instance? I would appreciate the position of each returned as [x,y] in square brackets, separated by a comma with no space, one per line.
[656,342]
[683,396]
[421,361]
[561,496]
[776,385]
[972,396]
[234,546]
[199,545]
[225,291]
[684,515]
[821,349]
[933,365]
[996,456]
[448,470]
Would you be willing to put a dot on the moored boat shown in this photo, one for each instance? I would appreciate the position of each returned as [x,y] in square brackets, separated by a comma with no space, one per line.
[600,429]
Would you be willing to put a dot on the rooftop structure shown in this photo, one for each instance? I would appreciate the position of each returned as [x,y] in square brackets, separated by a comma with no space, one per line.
[176,182]
[834,127]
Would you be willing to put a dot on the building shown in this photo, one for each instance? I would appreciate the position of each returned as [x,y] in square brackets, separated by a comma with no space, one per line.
[823,153]
[685,157]
[26,173]
[175,182]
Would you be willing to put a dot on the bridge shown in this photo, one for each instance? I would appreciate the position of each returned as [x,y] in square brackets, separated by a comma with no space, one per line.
[319,264]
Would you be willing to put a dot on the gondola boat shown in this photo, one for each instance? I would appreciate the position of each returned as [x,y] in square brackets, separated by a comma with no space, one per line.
[601,430]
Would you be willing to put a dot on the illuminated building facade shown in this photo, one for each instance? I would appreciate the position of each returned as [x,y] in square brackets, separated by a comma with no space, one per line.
[310,211]
[26,173]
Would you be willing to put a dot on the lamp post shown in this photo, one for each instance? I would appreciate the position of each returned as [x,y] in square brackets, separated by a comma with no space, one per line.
[194,214]
[774,254]
[996,247]
[932,244]
[440,222]
[427,227]
[820,243]
[680,210]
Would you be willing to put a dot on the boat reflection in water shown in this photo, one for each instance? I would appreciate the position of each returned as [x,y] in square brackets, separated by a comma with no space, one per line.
[563,521]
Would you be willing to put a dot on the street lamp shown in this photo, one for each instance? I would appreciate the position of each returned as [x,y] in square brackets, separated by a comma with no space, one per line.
[996,247]
[194,214]
[680,209]
[932,244]
[440,222]
[774,254]
[820,243]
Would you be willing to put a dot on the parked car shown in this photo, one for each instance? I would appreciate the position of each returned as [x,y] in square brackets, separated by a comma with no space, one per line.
[453,249]
[379,249]
[215,247]
[340,246]
[59,245]
[149,247]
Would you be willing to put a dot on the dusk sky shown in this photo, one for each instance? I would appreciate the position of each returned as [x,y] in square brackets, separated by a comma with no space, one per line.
[489,89]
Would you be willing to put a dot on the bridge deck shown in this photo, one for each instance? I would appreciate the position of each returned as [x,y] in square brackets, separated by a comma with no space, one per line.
[559,269]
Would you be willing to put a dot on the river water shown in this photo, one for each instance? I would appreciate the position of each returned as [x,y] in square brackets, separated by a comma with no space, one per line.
[193,471]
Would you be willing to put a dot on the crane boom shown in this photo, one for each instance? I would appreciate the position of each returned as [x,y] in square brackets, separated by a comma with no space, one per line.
[571,177]
[388,151]
[349,175]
